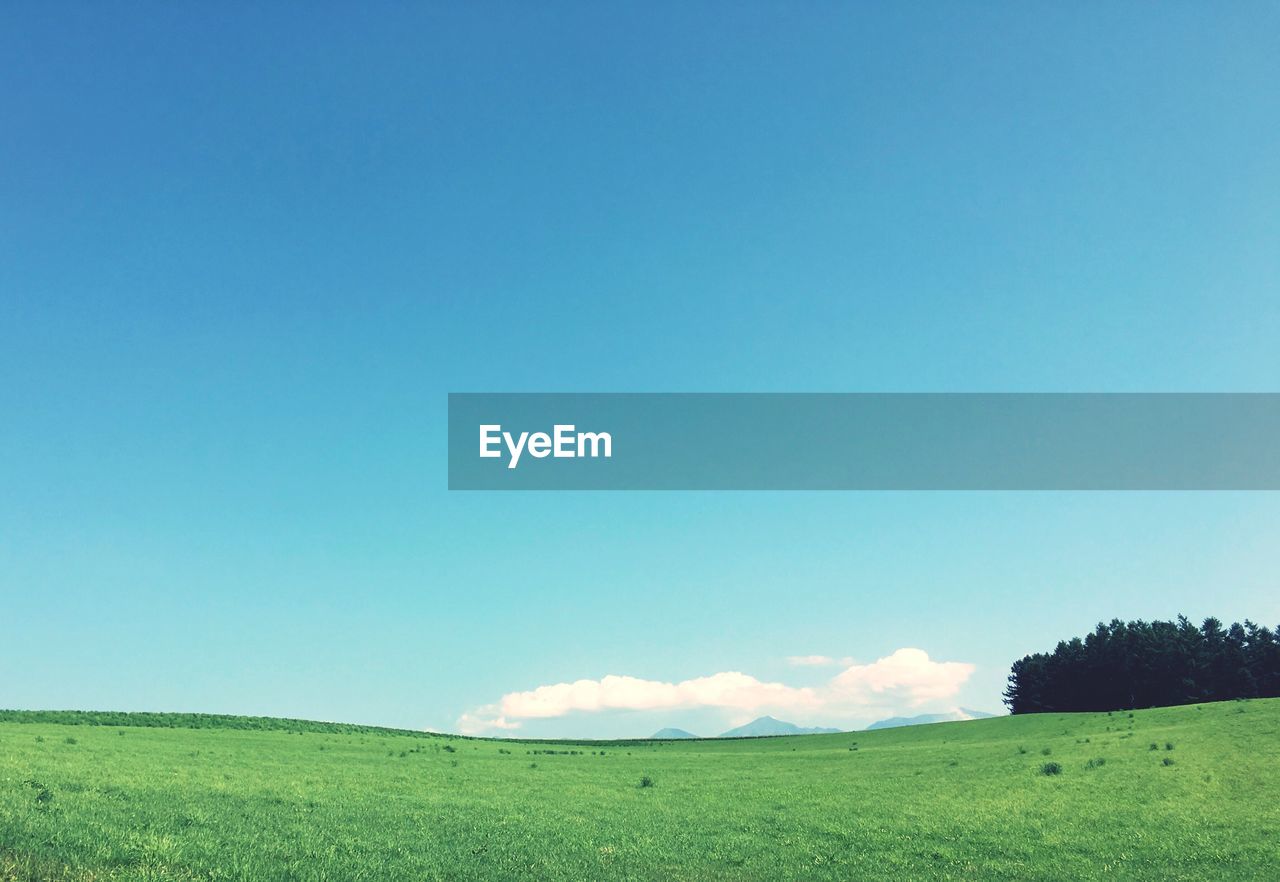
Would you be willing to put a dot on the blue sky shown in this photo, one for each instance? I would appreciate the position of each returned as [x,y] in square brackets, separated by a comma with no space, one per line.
[245,254]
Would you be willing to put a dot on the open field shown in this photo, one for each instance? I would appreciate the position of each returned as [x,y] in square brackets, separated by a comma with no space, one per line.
[1173,793]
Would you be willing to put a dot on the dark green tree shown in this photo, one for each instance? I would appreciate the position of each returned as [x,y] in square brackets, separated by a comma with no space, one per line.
[1119,666]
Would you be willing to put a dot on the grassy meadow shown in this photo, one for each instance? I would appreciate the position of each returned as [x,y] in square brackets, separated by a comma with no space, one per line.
[1173,793]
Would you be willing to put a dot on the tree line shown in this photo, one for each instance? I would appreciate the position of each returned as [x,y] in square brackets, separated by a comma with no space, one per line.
[1125,665]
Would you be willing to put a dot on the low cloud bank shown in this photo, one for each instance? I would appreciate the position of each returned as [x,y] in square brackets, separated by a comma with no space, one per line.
[818,661]
[906,678]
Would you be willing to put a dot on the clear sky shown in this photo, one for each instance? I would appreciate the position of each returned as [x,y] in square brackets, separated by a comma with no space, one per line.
[246,253]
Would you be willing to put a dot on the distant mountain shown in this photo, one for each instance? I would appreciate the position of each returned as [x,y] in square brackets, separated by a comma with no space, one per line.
[769,726]
[671,733]
[956,715]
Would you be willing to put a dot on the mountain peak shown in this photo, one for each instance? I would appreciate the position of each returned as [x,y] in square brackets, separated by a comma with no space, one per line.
[957,715]
[766,726]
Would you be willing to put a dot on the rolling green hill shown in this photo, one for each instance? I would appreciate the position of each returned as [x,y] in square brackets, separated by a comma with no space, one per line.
[1173,793]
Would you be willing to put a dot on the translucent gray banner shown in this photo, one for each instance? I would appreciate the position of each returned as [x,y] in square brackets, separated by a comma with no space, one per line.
[760,441]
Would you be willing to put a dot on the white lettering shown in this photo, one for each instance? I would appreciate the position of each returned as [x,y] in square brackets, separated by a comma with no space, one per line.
[563,443]
[514,447]
[489,437]
[596,439]
[539,444]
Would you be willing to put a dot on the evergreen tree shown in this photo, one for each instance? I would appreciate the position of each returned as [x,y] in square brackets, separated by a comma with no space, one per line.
[1121,665]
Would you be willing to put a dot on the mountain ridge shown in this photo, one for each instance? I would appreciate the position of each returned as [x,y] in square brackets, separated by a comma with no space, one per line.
[960,714]
[766,726]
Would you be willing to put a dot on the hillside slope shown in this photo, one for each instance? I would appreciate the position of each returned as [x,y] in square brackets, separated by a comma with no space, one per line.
[1175,793]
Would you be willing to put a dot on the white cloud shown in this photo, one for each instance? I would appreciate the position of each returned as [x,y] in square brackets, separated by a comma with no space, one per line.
[730,689]
[484,720]
[907,676]
[817,661]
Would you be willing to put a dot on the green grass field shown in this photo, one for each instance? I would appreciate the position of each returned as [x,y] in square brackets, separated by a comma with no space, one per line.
[1174,793]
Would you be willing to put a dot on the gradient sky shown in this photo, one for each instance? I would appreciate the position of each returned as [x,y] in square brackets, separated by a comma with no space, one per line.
[245,253]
